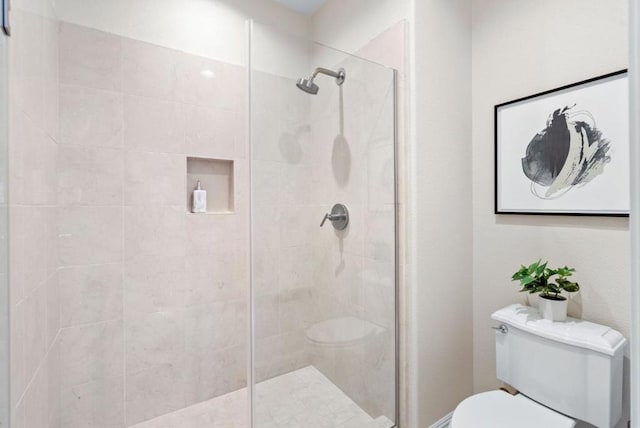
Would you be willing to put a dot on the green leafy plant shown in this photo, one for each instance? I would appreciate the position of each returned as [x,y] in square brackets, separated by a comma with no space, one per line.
[536,278]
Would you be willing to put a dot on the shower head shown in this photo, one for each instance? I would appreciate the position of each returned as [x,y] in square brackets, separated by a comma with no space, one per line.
[309,87]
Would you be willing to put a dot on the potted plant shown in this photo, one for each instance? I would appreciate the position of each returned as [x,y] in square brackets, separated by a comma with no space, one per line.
[537,278]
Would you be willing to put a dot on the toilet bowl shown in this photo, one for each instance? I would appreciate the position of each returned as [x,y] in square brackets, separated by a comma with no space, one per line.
[566,372]
[499,409]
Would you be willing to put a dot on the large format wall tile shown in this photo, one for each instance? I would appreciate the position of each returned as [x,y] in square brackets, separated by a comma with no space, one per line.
[267,182]
[202,81]
[213,278]
[92,352]
[154,125]
[52,296]
[211,373]
[212,131]
[54,384]
[90,235]
[50,68]
[154,231]
[154,392]
[33,156]
[154,178]
[377,286]
[90,294]
[17,357]
[90,117]
[215,327]
[34,254]
[155,284]
[151,71]
[276,355]
[37,400]
[90,58]
[212,233]
[89,176]
[35,327]
[96,404]
[153,340]
[27,60]
[379,237]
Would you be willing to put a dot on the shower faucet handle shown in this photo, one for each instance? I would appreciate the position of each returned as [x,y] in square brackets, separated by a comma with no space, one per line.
[339,217]
[327,216]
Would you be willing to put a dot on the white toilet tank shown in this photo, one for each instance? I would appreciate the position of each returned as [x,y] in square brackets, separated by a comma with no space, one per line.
[573,367]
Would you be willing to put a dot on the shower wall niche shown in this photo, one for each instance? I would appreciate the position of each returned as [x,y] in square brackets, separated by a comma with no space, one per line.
[216,176]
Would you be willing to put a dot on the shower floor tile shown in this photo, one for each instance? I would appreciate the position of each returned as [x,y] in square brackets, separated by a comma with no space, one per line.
[302,398]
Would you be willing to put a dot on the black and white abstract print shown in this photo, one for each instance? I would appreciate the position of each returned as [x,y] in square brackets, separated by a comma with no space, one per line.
[569,152]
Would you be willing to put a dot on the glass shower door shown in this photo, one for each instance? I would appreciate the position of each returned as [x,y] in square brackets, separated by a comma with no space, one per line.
[323,296]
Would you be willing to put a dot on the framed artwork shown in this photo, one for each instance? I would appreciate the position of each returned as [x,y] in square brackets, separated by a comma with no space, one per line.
[565,151]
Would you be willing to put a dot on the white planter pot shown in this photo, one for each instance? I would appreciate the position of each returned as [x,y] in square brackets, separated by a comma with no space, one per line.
[533,300]
[553,310]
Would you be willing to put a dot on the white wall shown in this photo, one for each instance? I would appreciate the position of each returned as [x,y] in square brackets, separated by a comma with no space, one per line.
[349,26]
[521,48]
[214,29]
[440,224]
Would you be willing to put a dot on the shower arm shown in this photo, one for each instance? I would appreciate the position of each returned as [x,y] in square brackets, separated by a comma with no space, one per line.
[322,70]
[339,75]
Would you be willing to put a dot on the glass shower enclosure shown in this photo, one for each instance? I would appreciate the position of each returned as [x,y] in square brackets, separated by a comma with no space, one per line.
[276,307]
[323,236]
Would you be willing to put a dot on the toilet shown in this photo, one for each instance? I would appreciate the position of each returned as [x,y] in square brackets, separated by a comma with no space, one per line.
[565,372]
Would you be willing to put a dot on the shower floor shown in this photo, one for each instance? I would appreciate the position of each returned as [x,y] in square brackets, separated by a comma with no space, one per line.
[302,398]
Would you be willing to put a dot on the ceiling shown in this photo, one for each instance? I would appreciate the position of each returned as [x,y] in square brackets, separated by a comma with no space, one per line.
[308,7]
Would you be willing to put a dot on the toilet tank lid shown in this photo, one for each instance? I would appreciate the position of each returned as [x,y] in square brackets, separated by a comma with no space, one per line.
[573,331]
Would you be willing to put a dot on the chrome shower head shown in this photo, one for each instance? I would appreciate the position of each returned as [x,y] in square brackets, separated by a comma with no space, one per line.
[309,87]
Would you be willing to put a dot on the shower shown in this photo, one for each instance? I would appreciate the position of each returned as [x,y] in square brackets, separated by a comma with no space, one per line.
[309,87]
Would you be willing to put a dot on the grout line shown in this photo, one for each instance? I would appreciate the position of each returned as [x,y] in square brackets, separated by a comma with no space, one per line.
[40,367]
[90,324]
[122,241]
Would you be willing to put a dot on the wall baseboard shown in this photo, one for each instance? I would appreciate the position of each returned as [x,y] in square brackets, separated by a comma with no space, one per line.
[444,422]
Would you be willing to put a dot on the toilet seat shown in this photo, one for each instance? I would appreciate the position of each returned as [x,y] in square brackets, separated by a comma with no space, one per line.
[498,409]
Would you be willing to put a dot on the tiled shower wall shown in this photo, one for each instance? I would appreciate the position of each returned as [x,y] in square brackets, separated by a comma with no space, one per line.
[153,298]
[33,150]
[285,224]
[353,126]
[310,152]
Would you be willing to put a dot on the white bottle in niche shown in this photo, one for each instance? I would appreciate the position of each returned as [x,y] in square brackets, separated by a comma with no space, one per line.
[199,200]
